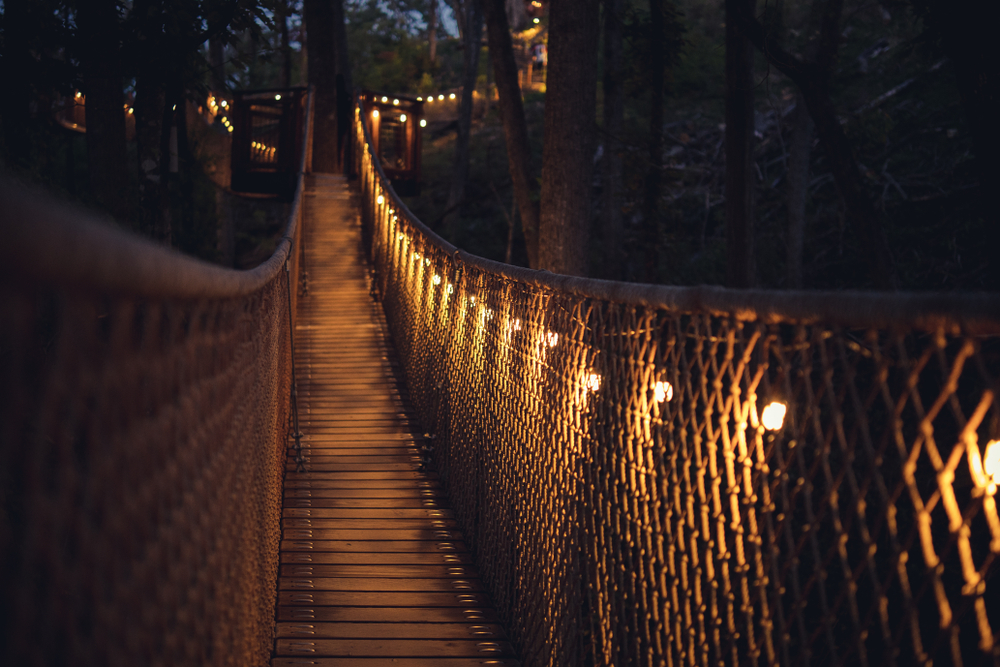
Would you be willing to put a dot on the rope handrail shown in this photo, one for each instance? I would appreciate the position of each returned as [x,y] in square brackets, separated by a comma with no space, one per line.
[144,417]
[659,475]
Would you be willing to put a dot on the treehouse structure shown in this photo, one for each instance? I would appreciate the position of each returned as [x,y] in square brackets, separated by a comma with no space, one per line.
[267,140]
[395,123]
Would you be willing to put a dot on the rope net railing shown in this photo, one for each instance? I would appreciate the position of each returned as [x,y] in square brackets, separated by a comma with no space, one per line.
[699,476]
[144,415]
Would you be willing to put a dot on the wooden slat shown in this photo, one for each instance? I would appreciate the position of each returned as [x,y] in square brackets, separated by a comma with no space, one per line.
[373,570]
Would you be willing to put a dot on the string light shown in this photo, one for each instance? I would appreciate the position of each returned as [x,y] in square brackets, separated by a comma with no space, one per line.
[664,391]
[593,382]
[277,97]
[402,118]
[773,416]
[452,96]
[551,338]
[379,199]
[374,113]
[423,123]
[385,99]
[436,279]
[396,102]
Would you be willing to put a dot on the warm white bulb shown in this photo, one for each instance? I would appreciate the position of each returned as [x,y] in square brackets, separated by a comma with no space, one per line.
[436,279]
[593,382]
[402,118]
[423,123]
[374,113]
[664,391]
[991,466]
[773,416]
[452,96]
[277,97]
[551,339]
[395,101]
[385,99]
[379,199]
[440,97]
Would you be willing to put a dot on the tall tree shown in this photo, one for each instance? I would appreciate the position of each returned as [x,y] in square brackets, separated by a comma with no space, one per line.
[101,68]
[570,130]
[322,45]
[515,127]
[281,18]
[813,79]
[654,174]
[965,33]
[797,189]
[432,28]
[740,269]
[614,112]
[472,37]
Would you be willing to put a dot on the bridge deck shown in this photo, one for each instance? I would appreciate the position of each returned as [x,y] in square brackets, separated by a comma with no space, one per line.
[373,570]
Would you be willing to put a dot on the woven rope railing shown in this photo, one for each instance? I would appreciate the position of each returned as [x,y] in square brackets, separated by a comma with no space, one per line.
[630,497]
[144,414]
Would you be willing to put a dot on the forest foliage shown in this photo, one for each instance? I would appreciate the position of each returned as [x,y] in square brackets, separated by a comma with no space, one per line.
[893,84]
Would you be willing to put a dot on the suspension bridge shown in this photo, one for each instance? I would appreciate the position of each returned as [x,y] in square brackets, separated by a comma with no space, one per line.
[378,449]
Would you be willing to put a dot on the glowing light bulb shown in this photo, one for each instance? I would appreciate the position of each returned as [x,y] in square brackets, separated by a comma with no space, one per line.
[427,261]
[773,416]
[379,199]
[131,111]
[230,128]
[551,338]
[395,102]
[452,96]
[436,279]
[374,113]
[420,99]
[535,20]
[385,99]
[440,97]
[593,382]
[517,325]
[423,123]
[277,97]
[451,288]
[991,465]
[402,118]
[664,391]
[399,237]
[79,94]
[225,104]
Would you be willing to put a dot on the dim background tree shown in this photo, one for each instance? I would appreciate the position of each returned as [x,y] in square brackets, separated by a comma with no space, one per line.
[881,179]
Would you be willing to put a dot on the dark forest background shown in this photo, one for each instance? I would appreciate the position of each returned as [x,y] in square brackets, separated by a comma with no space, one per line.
[909,86]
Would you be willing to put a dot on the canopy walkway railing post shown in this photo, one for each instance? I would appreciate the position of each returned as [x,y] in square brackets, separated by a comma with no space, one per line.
[657,475]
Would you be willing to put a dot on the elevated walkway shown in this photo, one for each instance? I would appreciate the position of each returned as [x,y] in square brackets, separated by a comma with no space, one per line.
[373,569]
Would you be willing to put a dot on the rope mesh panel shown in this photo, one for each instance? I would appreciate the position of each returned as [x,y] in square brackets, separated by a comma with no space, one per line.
[143,424]
[630,501]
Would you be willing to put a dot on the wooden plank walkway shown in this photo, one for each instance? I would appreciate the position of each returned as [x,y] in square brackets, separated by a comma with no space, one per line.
[373,570]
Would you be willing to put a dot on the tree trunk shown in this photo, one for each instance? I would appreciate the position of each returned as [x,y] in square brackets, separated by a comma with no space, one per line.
[460,169]
[432,29]
[798,187]
[345,87]
[319,18]
[813,81]
[568,156]
[965,30]
[101,66]
[148,130]
[217,65]
[14,103]
[614,113]
[740,267]
[515,127]
[654,174]
[281,17]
